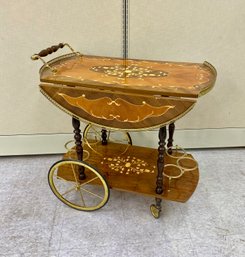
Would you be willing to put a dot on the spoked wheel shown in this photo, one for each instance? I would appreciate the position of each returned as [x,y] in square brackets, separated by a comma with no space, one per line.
[89,194]
[93,135]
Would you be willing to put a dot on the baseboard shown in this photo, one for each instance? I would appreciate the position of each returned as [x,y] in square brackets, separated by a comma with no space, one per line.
[197,138]
[187,138]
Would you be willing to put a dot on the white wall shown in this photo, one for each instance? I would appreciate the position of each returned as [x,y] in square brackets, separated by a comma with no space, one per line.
[195,31]
[166,30]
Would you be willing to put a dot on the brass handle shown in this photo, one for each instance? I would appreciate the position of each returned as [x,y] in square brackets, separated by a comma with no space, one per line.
[48,51]
[51,50]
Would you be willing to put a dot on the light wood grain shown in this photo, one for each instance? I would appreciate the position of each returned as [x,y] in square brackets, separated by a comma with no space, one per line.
[181,189]
[117,110]
[182,79]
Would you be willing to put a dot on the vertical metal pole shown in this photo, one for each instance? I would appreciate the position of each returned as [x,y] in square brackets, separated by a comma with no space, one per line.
[125,27]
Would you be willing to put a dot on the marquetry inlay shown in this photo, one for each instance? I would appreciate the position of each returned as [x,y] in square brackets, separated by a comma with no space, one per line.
[128,165]
[118,109]
[131,71]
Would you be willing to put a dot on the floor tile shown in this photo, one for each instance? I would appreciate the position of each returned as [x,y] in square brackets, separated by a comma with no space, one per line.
[140,224]
[175,248]
[33,222]
[228,246]
[42,254]
[23,239]
[11,255]
[111,250]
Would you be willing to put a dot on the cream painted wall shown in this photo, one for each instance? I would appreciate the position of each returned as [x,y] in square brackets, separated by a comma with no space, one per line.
[28,26]
[176,30]
[195,31]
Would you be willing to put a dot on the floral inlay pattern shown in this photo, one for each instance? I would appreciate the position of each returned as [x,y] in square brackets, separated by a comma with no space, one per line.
[128,165]
[118,109]
[131,71]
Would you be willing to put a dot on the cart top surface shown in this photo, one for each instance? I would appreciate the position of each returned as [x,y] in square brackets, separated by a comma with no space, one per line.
[136,76]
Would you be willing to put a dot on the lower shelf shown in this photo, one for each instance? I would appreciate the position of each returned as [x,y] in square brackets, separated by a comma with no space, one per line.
[134,169]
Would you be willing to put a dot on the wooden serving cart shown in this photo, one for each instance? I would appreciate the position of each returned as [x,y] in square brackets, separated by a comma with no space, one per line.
[116,96]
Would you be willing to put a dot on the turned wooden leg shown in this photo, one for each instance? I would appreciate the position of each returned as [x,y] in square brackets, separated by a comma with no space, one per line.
[160,161]
[78,143]
[171,128]
[156,209]
[104,136]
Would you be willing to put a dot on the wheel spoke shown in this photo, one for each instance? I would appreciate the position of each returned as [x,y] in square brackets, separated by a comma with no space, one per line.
[82,199]
[85,183]
[92,193]
[69,190]
[74,174]
[58,177]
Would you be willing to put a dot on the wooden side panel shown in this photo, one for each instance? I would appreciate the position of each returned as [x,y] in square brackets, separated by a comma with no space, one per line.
[117,110]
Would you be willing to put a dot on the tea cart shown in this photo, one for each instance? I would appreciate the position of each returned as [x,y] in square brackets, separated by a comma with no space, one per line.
[116,96]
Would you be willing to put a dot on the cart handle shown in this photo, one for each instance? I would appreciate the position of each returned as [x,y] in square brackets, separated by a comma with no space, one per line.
[51,50]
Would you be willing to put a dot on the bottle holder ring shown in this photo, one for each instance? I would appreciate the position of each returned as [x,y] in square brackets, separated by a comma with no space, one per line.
[91,147]
[72,150]
[175,176]
[180,159]
[181,172]
[187,168]
[67,145]
[177,149]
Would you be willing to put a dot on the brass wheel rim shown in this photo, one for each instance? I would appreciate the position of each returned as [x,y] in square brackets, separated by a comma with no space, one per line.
[78,185]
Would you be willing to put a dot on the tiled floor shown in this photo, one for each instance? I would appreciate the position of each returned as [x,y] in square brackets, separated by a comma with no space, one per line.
[211,224]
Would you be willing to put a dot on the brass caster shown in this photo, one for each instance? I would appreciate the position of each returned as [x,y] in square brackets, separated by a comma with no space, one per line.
[155,211]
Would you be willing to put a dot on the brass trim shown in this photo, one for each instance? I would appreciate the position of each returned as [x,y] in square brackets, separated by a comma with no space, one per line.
[71,151]
[209,85]
[175,149]
[187,158]
[46,65]
[176,166]
[208,64]
[178,160]
[54,60]
[90,145]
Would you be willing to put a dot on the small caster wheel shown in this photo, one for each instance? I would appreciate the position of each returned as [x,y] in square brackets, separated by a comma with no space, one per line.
[155,211]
